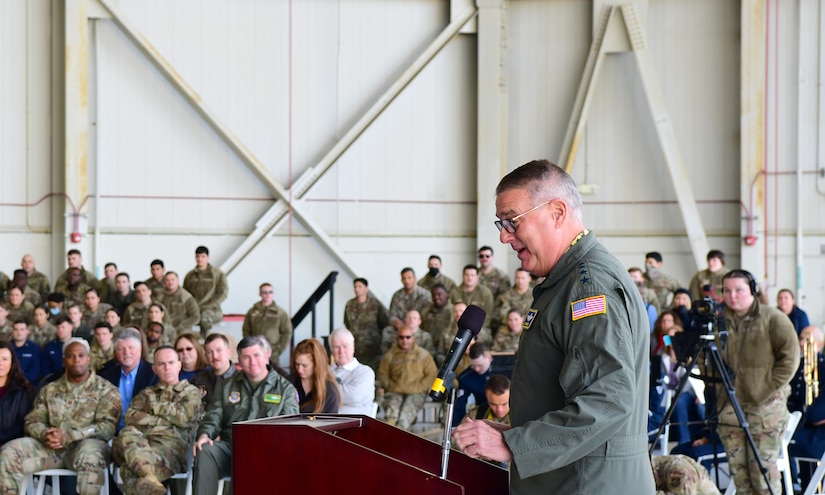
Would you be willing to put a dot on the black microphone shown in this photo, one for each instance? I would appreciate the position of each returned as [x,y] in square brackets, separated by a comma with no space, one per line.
[469,325]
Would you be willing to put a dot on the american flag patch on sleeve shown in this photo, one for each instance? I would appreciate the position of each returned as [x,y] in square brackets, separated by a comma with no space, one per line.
[596,305]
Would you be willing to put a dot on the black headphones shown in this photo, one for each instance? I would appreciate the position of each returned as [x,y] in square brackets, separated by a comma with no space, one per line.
[738,273]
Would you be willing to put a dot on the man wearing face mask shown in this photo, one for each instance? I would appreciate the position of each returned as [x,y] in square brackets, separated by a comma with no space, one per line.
[434,275]
[658,281]
[648,296]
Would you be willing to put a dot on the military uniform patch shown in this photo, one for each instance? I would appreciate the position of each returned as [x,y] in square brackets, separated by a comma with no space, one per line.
[596,305]
[272,398]
[234,397]
[528,319]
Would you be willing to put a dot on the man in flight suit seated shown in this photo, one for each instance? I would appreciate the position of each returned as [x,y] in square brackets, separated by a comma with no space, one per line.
[256,393]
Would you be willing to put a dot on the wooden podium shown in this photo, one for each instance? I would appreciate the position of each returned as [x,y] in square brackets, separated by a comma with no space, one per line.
[345,455]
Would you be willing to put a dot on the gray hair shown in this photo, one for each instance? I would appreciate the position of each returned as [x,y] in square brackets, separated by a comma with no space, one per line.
[544,181]
[342,333]
[129,333]
[254,340]
[76,340]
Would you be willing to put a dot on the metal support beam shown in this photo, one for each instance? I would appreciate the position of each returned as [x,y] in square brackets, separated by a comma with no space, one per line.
[76,130]
[752,125]
[224,132]
[584,96]
[273,219]
[667,138]
[492,116]
[620,30]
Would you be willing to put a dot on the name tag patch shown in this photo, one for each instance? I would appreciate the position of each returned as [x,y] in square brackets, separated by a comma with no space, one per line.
[596,305]
[272,398]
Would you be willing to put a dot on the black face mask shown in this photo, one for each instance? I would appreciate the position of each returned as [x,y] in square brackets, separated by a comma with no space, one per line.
[433,272]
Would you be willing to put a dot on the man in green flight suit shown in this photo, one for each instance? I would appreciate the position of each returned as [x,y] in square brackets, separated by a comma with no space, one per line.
[258,392]
[578,403]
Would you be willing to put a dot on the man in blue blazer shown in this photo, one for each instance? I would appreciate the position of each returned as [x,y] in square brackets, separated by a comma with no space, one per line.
[131,373]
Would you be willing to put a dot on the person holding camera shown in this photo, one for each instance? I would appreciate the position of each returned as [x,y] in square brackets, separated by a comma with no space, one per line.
[762,354]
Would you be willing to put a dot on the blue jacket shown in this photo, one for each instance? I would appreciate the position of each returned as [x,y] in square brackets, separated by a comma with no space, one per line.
[31,360]
[52,357]
[469,383]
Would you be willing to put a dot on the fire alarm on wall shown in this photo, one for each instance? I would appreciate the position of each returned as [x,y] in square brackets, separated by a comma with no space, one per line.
[750,240]
[75,237]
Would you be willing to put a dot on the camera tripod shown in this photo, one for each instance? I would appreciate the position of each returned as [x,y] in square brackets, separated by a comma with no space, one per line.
[706,347]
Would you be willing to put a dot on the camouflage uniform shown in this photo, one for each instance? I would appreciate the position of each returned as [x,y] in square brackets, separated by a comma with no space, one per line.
[5,283]
[42,336]
[705,277]
[87,278]
[237,400]
[506,341]
[5,331]
[90,317]
[428,282]
[100,357]
[761,373]
[484,412]
[76,297]
[270,321]
[39,283]
[498,282]
[366,321]
[159,426]
[440,325]
[32,296]
[105,288]
[663,285]
[681,475]
[170,333]
[481,296]
[156,286]
[182,308]
[25,312]
[649,297]
[209,288]
[134,314]
[405,376]
[87,413]
[402,302]
[511,300]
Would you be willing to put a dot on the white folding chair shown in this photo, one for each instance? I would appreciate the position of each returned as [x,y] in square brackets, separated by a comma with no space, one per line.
[37,481]
[665,436]
[817,477]
[221,483]
[782,463]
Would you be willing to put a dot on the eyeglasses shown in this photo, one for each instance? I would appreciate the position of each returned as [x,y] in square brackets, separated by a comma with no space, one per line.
[405,337]
[181,349]
[485,256]
[509,224]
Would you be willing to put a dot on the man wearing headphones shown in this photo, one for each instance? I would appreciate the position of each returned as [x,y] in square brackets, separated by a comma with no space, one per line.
[762,353]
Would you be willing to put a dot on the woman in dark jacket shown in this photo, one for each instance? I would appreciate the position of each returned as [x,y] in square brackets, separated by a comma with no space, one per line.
[16,395]
[313,379]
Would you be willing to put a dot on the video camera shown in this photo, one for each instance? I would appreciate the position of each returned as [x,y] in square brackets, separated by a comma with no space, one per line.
[705,313]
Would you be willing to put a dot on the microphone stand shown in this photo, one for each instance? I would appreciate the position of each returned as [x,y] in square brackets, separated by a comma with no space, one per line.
[448,425]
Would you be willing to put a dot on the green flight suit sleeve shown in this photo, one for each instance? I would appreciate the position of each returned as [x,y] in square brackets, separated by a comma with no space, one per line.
[597,379]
